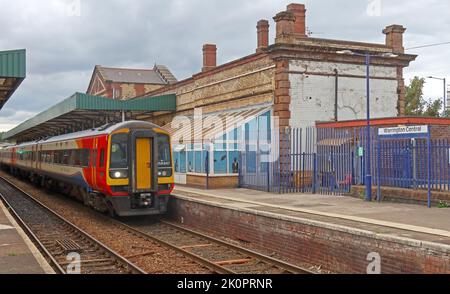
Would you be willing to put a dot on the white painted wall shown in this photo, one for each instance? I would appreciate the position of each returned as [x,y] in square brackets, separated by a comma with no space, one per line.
[312,96]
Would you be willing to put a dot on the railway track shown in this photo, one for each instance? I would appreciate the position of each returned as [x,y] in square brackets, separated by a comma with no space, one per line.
[220,256]
[217,255]
[57,238]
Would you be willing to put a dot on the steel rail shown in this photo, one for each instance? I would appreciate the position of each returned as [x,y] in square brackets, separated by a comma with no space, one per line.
[124,262]
[281,264]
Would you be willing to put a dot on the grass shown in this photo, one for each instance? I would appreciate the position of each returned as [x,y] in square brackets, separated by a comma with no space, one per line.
[12,254]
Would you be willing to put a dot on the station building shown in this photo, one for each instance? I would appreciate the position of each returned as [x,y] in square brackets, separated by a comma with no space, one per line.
[247,103]
[291,83]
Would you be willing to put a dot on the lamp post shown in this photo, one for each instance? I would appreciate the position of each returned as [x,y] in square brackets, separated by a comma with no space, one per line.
[367,56]
[445,89]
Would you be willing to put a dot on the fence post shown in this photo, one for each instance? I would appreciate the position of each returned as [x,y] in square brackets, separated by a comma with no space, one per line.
[240,170]
[314,173]
[429,166]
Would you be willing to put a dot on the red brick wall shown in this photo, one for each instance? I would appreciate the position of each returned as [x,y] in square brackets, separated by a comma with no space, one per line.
[332,249]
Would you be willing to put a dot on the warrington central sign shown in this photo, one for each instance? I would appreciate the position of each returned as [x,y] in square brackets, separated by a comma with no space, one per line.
[403,130]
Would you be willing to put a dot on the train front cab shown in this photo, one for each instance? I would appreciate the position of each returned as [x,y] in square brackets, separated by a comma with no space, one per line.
[140,172]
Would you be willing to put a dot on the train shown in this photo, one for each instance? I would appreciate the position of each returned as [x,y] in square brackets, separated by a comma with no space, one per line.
[123,169]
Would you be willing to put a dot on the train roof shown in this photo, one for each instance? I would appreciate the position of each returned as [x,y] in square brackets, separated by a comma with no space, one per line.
[103,130]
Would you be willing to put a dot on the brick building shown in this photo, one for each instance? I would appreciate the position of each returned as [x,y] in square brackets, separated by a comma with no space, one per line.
[125,83]
[298,80]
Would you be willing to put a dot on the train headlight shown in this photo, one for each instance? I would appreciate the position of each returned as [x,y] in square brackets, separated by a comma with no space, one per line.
[118,174]
[164,172]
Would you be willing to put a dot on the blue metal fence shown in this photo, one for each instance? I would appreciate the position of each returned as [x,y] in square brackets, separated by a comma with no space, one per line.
[306,160]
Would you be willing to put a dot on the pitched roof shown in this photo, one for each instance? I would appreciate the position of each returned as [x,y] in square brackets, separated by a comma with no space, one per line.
[160,75]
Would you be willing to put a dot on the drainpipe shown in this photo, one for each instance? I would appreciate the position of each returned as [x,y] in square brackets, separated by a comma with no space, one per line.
[336,90]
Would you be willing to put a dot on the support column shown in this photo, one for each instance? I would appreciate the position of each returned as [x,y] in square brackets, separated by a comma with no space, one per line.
[281,110]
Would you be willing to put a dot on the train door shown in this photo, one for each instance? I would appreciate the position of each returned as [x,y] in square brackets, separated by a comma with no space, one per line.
[101,162]
[144,162]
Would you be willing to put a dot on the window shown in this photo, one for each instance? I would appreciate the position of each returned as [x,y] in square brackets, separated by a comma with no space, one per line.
[182,161]
[65,157]
[220,162]
[190,161]
[84,157]
[233,162]
[102,158]
[198,161]
[164,159]
[119,152]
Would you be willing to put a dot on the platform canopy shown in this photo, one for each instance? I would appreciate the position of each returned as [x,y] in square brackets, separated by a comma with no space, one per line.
[12,73]
[82,111]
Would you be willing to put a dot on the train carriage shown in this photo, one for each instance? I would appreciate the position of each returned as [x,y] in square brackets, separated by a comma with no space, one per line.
[125,169]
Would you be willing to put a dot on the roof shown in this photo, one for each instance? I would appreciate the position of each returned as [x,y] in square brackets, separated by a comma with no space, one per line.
[106,129]
[81,111]
[213,125]
[386,121]
[165,74]
[137,76]
[12,72]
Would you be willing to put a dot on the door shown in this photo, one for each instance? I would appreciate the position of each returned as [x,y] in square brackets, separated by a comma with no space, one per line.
[143,164]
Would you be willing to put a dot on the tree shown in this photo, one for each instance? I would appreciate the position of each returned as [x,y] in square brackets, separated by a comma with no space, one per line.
[414,102]
[416,105]
[433,108]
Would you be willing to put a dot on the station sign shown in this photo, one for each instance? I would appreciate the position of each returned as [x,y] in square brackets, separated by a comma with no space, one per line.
[404,131]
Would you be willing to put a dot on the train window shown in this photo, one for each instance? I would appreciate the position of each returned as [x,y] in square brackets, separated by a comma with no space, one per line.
[75,157]
[65,157]
[164,159]
[102,158]
[57,157]
[119,151]
[84,157]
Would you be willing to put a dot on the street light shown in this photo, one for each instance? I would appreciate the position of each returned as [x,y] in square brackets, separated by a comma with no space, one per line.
[445,88]
[367,57]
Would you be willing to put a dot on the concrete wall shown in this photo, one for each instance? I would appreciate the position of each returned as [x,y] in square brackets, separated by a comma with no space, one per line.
[313,91]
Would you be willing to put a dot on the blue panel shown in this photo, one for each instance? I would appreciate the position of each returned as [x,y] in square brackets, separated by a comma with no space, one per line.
[198,161]
[220,162]
[190,161]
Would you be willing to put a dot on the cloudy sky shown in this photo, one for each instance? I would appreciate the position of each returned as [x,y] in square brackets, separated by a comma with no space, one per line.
[65,39]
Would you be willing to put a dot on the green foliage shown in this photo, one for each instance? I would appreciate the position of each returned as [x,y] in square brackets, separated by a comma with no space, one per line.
[433,108]
[414,102]
[416,105]
[443,204]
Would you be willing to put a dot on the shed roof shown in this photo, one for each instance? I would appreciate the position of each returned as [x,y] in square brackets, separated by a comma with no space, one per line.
[82,111]
[12,72]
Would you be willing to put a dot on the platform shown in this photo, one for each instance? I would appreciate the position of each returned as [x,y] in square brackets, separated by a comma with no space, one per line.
[18,255]
[416,238]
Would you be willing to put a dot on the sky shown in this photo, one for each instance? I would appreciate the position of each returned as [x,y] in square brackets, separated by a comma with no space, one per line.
[65,39]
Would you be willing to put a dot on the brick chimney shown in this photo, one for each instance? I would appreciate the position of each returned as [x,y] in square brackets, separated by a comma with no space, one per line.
[209,57]
[299,12]
[394,38]
[285,21]
[262,29]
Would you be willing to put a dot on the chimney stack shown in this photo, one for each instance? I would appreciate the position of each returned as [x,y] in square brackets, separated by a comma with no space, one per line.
[394,38]
[285,21]
[209,57]
[299,12]
[262,29]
